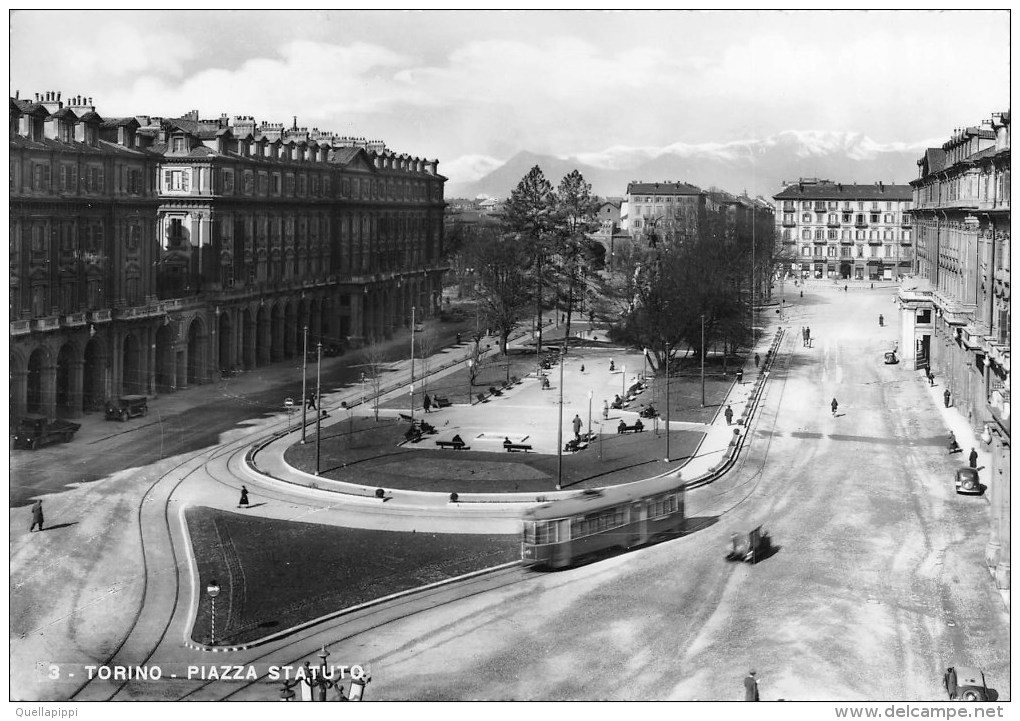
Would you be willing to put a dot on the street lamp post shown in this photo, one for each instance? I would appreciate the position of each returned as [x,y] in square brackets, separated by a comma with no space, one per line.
[304,390]
[559,431]
[363,388]
[702,360]
[591,393]
[412,365]
[623,381]
[470,365]
[213,589]
[319,681]
[318,406]
[667,402]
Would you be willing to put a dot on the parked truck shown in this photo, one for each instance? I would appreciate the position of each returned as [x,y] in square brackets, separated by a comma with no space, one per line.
[35,431]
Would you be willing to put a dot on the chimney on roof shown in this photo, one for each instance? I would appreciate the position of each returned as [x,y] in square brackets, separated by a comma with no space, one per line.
[881,187]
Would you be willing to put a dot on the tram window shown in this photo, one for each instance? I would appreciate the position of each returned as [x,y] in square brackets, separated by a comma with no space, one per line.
[545,532]
[662,505]
[529,531]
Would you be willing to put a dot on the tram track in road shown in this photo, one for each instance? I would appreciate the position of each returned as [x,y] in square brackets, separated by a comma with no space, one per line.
[291,652]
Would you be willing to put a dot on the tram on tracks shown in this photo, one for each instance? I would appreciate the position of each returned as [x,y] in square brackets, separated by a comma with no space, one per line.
[559,533]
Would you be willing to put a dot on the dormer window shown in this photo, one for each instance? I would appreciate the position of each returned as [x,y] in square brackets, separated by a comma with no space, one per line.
[180,144]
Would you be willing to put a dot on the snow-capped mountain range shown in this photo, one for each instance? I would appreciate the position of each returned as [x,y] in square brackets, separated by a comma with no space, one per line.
[758,166]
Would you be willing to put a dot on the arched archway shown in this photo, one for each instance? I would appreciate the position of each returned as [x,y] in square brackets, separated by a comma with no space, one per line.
[94,376]
[248,339]
[291,331]
[35,400]
[263,336]
[67,390]
[277,332]
[226,344]
[131,365]
[197,342]
[164,359]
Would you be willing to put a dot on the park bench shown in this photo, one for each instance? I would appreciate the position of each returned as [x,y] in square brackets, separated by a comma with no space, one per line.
[480,397]
[441,402]
[455,445]
[493,390]
[405,417]
[511,447]
[636,428]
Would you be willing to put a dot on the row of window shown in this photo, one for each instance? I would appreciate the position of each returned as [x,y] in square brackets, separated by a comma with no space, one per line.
[847,218]
[264,183]
[72,178]
[823,234]
[859,251]
[821,206]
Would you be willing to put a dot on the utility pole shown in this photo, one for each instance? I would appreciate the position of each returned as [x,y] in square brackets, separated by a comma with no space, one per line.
[304,391]
[702,360]
[412,365]
[318,406]
[667,402]
[559,428]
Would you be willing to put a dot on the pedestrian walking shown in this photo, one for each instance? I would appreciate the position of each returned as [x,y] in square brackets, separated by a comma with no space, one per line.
[835,407]
[803,338]
[807,336]
[458,339]
[881,319]
[973,458]
[426,403]
[751,686]
[946,395]
[757,360]
[582,367]
[37,516]
[612,365]
[605,410]
[243,503]
[931,378]
[310,402]
[740,375]
[577,427]
[802,294]
[845,287]
[954,446]
[729,415]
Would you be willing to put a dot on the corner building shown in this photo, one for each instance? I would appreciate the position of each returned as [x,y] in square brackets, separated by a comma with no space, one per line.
[955,309]
[152,254]
[844,231]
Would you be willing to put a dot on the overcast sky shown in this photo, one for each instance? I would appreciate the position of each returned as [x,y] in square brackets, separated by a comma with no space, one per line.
[474,88]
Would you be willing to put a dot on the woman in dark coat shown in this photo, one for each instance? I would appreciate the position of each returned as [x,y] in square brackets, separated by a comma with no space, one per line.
[243,503]
[835,406]
[37,516]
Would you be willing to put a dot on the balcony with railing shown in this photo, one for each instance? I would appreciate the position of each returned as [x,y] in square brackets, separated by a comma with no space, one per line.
[860,224]
[46,324]
[833,223]
[73,320]
[105,315]
[21,327]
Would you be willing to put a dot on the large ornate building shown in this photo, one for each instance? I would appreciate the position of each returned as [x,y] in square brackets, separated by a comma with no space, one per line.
[150,254]
[844,231]
[956,306]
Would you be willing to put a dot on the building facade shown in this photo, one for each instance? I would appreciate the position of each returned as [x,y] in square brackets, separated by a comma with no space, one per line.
[955,308]
[83,207]
[845,231]
[159,254]
[647,204]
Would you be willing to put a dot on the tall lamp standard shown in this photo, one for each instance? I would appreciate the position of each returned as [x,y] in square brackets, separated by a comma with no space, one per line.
[318,407]
[470,364]
[412,365]
[591,393]
[702,360]
[559,428]
[667,402]
[213,589]
[304,390]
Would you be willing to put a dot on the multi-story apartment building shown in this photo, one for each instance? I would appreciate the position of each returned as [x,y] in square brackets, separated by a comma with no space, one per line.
[955,309]
[217,243]
[648,204]
[838,230]
[82,245]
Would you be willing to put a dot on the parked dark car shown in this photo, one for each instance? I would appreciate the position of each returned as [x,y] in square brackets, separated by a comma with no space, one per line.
[890,358]
[967,481]
[965,684]
[35,431]
[126,407]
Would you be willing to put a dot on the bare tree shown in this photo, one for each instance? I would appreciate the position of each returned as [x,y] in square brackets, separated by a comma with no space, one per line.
[428,345]
[375,364]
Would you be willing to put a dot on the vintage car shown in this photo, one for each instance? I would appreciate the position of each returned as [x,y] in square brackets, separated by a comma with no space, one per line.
[890,358]
[965,684]
[967,481]
[126,407]
[750,547]
[35,431]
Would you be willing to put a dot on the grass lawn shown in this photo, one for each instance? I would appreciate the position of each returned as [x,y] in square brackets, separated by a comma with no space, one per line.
[370,455]
[277,574]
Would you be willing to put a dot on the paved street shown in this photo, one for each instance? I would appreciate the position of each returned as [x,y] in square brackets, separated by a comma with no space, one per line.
[878,585]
